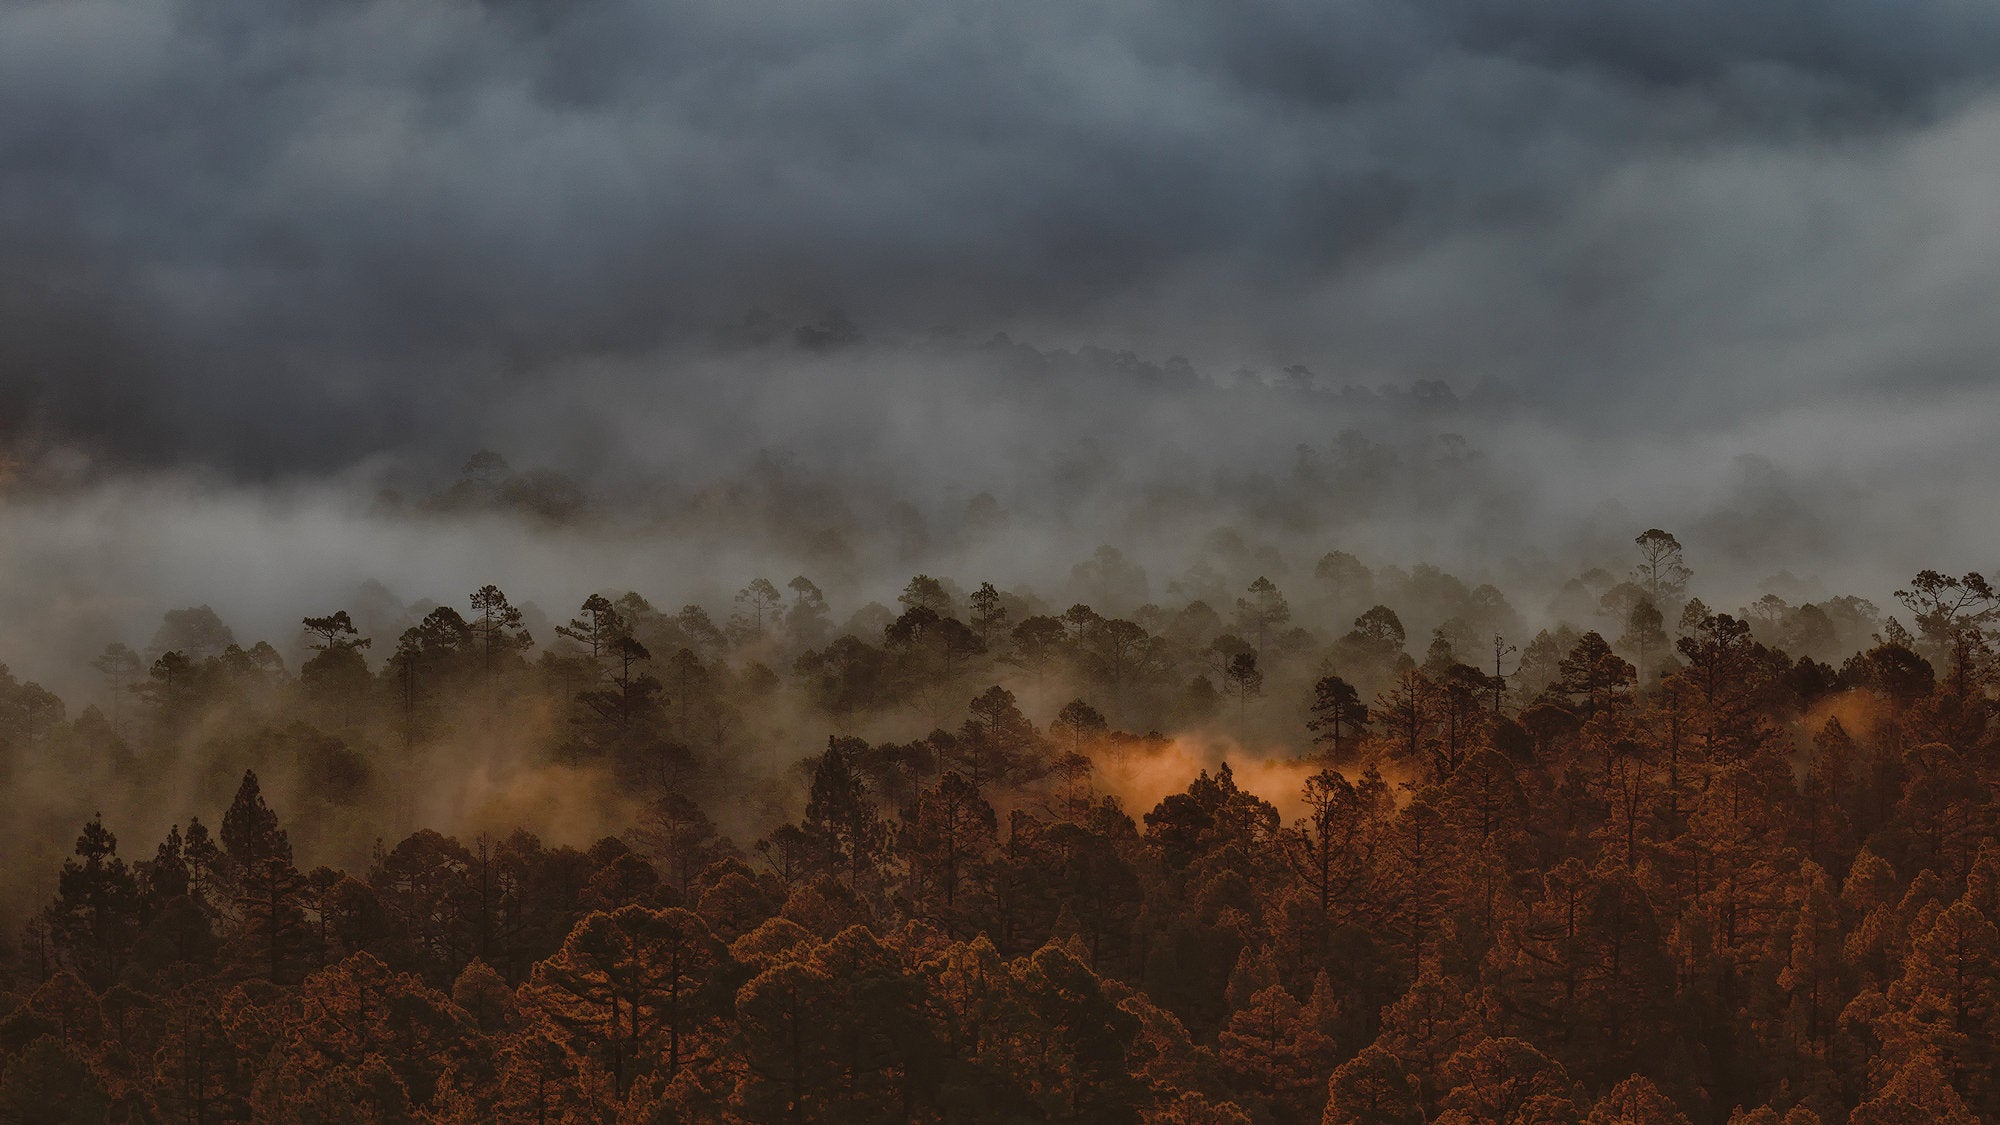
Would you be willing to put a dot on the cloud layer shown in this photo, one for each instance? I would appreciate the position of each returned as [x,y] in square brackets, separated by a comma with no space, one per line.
[283,236]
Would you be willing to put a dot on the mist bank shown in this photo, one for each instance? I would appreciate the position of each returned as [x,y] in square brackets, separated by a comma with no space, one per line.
[684,478]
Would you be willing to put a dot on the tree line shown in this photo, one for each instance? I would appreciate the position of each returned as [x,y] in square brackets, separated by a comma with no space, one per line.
[1661,864]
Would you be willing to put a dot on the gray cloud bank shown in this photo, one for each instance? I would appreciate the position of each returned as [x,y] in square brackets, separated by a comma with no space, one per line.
[282,236]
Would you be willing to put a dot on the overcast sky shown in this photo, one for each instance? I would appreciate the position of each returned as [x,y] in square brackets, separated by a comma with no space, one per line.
[290,233]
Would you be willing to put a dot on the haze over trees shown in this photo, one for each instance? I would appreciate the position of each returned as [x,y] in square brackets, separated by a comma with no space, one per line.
[979,858]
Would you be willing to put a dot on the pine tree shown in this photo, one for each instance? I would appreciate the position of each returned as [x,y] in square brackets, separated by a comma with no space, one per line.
[1917,1095]
[634,988]
[496,625]
[841,826]
[96,913]
[1373,1088]
[1506,1082]
[1635,1101]
[1339,719]
[1275,1056]
[270,929]
[1947,1004]
[49,1084]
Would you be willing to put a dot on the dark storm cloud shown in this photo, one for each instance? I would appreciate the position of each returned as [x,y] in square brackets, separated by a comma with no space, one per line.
[284,235]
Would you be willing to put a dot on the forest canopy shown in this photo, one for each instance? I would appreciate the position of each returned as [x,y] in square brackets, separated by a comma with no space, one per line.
[1354,847]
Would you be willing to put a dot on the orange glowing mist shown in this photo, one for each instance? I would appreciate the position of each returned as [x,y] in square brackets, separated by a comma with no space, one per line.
[1141,774]
[1859,710]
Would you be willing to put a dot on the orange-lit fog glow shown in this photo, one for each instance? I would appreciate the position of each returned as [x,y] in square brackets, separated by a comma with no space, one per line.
[492,777]
[1858,709]
[561,804]
[1141,774]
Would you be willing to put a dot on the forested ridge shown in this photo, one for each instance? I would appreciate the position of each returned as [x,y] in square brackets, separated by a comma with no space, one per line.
[1655,862]
[614,562]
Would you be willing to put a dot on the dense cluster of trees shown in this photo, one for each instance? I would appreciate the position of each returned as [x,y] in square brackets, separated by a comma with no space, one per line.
[1660,864]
